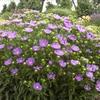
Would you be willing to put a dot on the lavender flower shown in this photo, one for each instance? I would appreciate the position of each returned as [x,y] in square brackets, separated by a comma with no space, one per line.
[98,85]
[90,36]
[89,74]
[52,26]
[29,30]
[2,46]
[59,52]
[79,77]
[75,48]
[75,62]
[47,31]
[87,87]
[63,41]
[72,37]
[62,63]
[20,60]
[43,42]
[30,61]
[80,28]
[17,51]
[92,67]
[51,75]
[55,45]
[57,17]
[35,48]
[11,35]
[32,23]
[14,71]
[37,86]
[8,61]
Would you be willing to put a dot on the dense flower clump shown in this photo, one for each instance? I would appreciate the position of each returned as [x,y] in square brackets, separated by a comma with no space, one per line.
[47,49]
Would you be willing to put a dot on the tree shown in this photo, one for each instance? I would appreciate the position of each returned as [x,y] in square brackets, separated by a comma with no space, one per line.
[4,8]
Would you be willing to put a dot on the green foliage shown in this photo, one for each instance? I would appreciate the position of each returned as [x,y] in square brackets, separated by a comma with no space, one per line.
[4,8]
[11,7]
[84,8]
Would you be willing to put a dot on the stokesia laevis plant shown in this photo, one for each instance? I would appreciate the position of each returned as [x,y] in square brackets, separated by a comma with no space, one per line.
[48,56]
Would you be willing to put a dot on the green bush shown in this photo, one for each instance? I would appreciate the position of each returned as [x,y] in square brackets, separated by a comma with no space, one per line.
[48,57]
[84,8]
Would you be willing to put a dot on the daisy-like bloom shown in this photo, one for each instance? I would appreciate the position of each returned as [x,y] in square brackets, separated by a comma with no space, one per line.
[2,46]
[32,23]
[17,51]
[43,42]
[55,45]
[75,48]
[56,16]
[14,71]
[29,30]
[98,85]
[92,67]
[20,60]
[30,61]
[63,41]
[52,26]
[62,63]
[37,86]
[87,87]
[35,48]
[51,75]
[80,28]
[11,35]
[79,77]
[72,37]
[47,31]
[90,36]
[59,52]
[37,68]
[89,74]
[8,61]
[74,62]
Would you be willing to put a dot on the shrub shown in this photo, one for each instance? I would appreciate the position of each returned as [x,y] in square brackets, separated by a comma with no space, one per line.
[48,57]
[84,8]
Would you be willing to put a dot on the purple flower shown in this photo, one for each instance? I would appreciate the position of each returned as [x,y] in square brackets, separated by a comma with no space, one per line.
[30,61]
[17,51]
[10,47]
[43,42]
[32,23]
[55,45]
[63,41]
[72,37]
[92,67]
[14,71]
[36,48]
[50,62]
[2,46]
[75,62]
[79,77]
[57,17]
[37,86]
[98,85]
[89,74]
[75,48]
[59,52]
[80,28]
[11,35]
[4,34]
[52,26]
[20,60]
[8,61]
[29,30]
[47,31]
[51,75]
[90,35]
[62,63]
[37,68]
[87,87]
